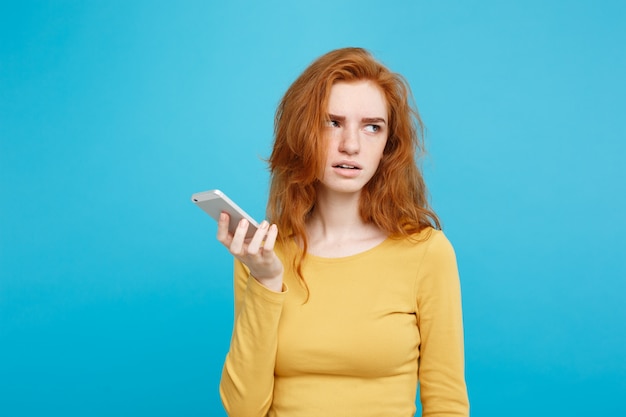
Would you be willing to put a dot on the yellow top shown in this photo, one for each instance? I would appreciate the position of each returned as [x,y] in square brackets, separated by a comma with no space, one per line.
[375,323]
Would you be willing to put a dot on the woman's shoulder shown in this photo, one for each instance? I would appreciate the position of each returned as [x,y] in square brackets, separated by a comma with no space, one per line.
[427,237]
[286,248]
[429,242]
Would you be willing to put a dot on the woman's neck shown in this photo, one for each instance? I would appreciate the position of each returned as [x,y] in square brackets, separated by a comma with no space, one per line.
[336,229]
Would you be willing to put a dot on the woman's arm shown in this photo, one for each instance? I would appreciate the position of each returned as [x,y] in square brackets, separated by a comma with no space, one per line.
[441,369]
[247,380]
[247,383]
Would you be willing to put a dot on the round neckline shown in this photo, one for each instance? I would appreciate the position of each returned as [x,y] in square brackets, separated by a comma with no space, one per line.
[357,255]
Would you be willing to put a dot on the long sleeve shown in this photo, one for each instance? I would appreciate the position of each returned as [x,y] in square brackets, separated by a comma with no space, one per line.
[441,367]
[247,383]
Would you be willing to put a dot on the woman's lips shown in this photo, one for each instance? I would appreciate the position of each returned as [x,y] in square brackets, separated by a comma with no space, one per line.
[348,170]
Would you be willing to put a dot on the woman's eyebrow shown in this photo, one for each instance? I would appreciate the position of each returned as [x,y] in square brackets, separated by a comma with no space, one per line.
[364,120]
[373,120]
[338,118]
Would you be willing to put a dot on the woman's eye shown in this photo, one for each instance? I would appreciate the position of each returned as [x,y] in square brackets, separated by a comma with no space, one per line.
[332,123]
[372,128]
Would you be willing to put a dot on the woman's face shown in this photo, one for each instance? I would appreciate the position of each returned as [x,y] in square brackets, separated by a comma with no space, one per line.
[356,132]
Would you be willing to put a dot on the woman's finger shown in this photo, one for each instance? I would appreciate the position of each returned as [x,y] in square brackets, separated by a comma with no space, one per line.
[237,245]
[223,236]
[257,239]
[270,239]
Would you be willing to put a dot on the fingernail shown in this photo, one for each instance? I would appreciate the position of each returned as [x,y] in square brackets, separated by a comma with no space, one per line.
[243,223]
[264,224]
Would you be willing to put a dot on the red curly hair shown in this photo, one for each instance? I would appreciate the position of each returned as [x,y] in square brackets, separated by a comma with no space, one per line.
[395,199]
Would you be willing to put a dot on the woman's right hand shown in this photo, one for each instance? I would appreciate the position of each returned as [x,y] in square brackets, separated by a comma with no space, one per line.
[256,253]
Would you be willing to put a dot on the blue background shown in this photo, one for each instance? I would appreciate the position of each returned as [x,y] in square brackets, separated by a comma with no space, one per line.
[115,298]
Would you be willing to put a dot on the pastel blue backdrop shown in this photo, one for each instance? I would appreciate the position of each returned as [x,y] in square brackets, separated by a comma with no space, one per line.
[115,298]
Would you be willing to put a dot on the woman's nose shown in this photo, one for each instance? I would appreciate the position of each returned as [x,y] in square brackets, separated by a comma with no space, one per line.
[349,141]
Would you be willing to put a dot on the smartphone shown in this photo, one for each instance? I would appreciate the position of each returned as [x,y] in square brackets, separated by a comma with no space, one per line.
[214,202]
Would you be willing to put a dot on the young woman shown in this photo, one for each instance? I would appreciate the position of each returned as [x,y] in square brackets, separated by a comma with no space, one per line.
[349,296]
